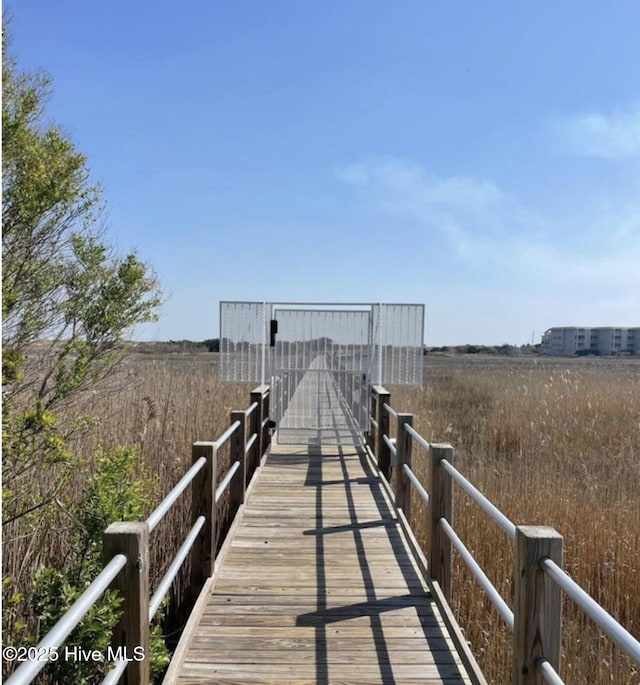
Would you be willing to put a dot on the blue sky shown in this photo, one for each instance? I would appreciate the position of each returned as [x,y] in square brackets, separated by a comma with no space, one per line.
[482,158]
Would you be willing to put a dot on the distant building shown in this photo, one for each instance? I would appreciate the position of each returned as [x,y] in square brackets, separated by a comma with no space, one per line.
[569,340]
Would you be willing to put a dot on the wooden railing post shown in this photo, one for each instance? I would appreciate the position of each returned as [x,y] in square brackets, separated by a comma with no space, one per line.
[403,452]
[537,604]
[373,432]
[265,439]
[440,506]
[131,634]
[260,395]
[365,394]
[255,421]
[203,488]
[236,452]
[383,454]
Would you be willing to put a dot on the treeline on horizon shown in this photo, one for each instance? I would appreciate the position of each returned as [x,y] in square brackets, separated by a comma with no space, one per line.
[213,345]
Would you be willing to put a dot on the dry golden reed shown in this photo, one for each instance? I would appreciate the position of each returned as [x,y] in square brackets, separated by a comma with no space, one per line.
[162,404]
[551,442]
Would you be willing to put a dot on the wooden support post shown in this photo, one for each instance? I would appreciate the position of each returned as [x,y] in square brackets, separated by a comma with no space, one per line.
[257,395]
[131,634]
[363,418]
[373,431]
[382,451]
[537,604]
[203,488]
[255,426]
[440,506]
[237,444]
[403,451]
[266,400]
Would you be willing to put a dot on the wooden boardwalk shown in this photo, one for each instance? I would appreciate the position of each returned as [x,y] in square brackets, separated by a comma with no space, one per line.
[317,412]
[317,584]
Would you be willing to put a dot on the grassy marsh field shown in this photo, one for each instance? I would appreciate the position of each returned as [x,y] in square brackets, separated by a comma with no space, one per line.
[549,441]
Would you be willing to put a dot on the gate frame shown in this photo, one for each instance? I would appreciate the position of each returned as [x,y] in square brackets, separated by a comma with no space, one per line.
[263,361]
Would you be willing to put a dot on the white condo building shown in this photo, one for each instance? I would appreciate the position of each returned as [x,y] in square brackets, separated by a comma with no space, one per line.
[569,340]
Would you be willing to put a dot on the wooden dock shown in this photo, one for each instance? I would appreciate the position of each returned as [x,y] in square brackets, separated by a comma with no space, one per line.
[319,579]
[317,584]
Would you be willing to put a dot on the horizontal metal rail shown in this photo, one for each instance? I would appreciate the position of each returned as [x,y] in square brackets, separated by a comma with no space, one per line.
[493,511]
[479,574]
[250,442]
[61,630]
[390,410]
[548,673]
[374,423]
[159,512]
[416,436]
[78,610]
[305,369]
[172,571]
[315,304]
[416,483]
[224,483]
[265,422]
[627,643]
[226,435]
[390,444]
[114,675]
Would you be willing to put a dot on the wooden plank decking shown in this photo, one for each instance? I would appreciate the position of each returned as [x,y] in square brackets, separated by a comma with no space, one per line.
[317,412]
[317,585]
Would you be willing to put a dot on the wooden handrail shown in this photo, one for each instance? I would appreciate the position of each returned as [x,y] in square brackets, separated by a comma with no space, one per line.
[536,618]
[126,545]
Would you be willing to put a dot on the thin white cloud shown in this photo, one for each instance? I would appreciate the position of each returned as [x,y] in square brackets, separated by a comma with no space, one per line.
[488,233]
[448,207]
[614,135]
[411,183]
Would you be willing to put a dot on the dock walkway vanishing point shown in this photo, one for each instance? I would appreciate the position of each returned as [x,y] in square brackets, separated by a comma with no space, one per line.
[317,582]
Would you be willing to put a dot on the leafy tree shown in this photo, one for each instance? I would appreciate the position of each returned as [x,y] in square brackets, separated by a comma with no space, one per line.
[67,300]
[68,303]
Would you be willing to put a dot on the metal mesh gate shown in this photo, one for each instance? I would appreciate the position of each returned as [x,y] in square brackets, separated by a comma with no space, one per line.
[320,360]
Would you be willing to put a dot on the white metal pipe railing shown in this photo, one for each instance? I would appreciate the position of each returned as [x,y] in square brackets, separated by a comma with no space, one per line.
[416,483]
[548,673]
[619,635]
[374,423]
[114,675]
[390,410]
[391,444]
[227,434]
[479,574]
[172,571]
[627,643]
[416,436]
[250,442]
[159,512]
[25,673]
[224,483]
[61,630]
[493,511]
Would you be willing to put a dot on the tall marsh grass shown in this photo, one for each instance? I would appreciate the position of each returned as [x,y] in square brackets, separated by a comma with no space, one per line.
[551,442]
[162,404]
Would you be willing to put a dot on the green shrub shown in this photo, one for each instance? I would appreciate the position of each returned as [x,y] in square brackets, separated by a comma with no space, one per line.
[120,490]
